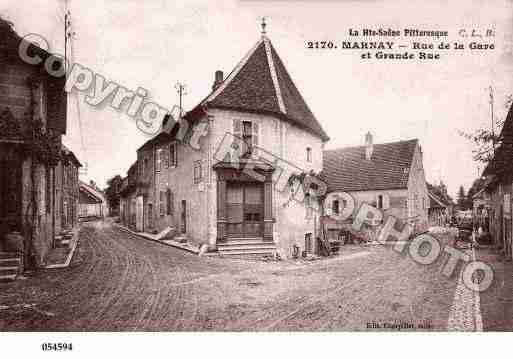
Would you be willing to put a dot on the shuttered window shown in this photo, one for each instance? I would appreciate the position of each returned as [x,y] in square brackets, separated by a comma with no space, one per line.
[162,204]
[158,163]
[197,172]
[255,137]
[173,158]
[237,145]
[170,207]
[165,158]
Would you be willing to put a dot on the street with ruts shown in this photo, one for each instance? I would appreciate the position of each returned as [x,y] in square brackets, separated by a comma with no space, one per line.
[119,281]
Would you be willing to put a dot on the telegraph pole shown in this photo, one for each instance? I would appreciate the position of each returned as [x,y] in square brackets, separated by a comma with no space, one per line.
[182,91]
[491,113]
[69,36]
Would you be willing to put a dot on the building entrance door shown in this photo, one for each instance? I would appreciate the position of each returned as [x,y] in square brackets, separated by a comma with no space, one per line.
[245,209]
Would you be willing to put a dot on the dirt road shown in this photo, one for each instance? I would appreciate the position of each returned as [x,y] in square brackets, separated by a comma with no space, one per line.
[118,281]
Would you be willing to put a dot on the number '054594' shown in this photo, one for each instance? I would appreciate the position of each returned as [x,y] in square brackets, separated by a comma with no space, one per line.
[57,347]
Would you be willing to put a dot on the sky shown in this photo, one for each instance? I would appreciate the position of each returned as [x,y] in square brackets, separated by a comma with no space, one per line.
[156,43]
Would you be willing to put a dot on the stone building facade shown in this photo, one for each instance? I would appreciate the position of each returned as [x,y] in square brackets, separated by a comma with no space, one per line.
[229,188]
[388,176]
[499,190]
[38,175]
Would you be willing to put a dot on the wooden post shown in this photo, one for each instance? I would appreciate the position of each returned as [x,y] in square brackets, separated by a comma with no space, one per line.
[268,209]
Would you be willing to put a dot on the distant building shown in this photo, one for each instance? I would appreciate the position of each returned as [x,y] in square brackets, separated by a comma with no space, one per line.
[92,202]
[438,212]
[388,176]
[128,200]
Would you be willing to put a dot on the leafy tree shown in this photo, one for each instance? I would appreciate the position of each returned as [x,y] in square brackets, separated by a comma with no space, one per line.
[486,140]
[112,191]
[461,201]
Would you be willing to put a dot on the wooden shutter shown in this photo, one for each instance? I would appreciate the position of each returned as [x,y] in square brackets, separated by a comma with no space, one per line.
[237,132]
[159,159]
[162,198]
[172,200]
[255,137]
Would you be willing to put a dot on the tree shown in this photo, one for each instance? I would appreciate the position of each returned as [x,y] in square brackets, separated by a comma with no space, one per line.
[461,201]
[486,140]
[112,192]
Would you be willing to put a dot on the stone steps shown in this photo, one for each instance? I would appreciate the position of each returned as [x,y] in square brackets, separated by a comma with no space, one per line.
[241,247]
[63,239]
[10,266]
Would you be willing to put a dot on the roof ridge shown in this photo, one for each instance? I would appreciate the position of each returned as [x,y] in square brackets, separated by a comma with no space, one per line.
[274,75]
[375,144]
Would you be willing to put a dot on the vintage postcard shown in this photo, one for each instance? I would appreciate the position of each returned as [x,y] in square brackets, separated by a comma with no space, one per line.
[255,166]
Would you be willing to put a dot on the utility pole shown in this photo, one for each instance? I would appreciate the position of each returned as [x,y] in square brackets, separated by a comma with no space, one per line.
[182,91]
[69,36]
[491,113]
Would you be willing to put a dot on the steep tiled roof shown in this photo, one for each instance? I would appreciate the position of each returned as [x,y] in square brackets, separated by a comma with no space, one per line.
[501,164]
[346,169]
[261,83]
[92,192]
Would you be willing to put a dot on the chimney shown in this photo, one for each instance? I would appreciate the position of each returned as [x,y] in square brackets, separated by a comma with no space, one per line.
[218,79]
[369,147]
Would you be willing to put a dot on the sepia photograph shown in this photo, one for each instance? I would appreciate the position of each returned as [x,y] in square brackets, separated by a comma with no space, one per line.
[317,168]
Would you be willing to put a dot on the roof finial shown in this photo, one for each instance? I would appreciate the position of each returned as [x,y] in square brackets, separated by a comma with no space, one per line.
[263,26]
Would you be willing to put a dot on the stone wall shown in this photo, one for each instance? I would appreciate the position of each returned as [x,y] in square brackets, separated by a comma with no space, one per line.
[283,140]
[180,181]
[41,185]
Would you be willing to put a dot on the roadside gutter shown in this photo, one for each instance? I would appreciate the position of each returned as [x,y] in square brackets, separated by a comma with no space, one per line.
[155,238]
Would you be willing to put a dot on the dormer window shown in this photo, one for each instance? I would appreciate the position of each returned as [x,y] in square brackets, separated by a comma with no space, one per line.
[247,131]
